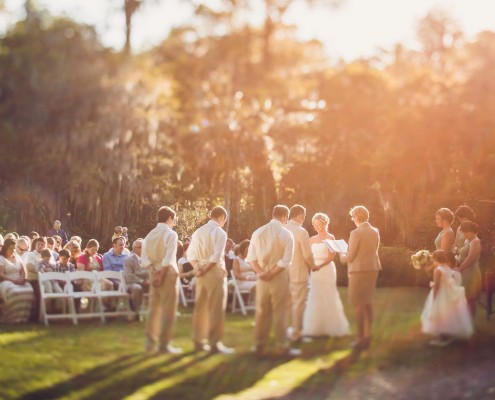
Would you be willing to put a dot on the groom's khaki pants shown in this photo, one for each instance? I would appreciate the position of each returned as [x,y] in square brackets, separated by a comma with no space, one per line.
[298,296]
[209,309]
[271,305]
[163,311]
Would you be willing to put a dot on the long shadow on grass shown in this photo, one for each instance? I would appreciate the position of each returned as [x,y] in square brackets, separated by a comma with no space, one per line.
[113,379]
[235,374]
[320,384]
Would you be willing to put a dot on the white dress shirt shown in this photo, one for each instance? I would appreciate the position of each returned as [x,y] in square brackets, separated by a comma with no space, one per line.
[208,245]
[271,246]
[160,248]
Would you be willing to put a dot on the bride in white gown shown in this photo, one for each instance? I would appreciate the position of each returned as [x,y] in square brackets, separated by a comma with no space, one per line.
[324,313]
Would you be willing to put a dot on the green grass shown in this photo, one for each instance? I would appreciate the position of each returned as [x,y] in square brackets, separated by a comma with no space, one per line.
[106,361]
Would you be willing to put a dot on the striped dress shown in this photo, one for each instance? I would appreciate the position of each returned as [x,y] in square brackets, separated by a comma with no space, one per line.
[15,300]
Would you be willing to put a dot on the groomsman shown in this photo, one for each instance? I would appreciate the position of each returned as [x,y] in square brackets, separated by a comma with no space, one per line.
[299,270]
[158,255]
[206,254]
[270,254]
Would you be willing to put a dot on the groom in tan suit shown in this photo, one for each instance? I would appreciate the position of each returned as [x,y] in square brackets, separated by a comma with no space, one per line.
[270,254]
[302,263]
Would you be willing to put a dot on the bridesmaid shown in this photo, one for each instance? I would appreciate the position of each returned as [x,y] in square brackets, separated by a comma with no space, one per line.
[446,238]
[463,213]
[469,266]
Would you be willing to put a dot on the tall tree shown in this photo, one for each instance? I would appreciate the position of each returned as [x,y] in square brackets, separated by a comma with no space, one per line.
[130,9]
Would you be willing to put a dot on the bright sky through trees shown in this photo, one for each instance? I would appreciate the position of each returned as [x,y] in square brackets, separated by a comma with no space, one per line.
[357,29]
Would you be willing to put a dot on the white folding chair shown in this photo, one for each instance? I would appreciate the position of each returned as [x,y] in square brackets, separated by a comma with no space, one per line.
[237,297]
[65,297]
[145,307]
[90,294]
[186,293]
[119,294]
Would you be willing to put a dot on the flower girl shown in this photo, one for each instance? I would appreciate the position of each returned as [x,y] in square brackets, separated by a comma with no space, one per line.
[446,314]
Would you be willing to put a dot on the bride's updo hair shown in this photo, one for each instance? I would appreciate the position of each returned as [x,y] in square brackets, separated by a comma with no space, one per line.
[321,217]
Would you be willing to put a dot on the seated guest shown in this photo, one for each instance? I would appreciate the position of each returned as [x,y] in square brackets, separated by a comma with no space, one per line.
[126,251]
[75,250]
[57,230]
[90,260]
[34,235]
[16,294]
[229,254]
[58,243]
[243,272]
[46,264]
[11,235]
[63,265]
[22,249]
[186,270]
[113,260]
[117,232]
[28,239]
[78,239]
[125,234]
[50,244]
[33,260]
[136,277]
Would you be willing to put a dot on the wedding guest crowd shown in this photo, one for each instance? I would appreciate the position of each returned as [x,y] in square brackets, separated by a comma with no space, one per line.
[292,274]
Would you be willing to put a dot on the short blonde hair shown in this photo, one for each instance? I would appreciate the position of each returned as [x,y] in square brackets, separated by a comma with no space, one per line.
[77,239]
[361,213]
[322,217]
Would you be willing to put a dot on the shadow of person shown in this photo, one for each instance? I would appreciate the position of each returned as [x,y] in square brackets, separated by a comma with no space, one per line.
[232,375]
[114,379]
[322,382]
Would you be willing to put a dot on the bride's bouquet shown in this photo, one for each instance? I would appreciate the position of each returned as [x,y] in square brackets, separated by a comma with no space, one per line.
[421,259]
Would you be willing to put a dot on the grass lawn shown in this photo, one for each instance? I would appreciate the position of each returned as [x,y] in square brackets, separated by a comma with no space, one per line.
[93,361]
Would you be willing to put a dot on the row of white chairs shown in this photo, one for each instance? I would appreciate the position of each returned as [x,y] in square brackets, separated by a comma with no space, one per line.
[94,295]
[243,300]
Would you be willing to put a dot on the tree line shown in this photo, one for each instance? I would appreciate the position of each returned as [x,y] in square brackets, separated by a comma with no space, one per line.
[100,138]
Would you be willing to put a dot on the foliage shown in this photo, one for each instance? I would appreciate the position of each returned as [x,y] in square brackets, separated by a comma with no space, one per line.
[397,269]
[248,118]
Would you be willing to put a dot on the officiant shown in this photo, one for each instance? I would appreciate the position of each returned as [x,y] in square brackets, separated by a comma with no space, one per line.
[363,266]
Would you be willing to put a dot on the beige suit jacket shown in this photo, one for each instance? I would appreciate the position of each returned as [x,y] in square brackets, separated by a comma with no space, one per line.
[302,261]
[362,254]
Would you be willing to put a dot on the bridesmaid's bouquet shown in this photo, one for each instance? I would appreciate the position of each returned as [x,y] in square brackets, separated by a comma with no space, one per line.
[421,259]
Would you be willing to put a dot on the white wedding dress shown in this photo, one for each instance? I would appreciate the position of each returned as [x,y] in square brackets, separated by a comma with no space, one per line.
[324,314]
[447,313]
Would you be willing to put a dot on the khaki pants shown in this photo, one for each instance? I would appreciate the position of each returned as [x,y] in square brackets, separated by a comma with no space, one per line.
[163,309]
[209,310]
[136,291]
[271,305]
[298,297]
